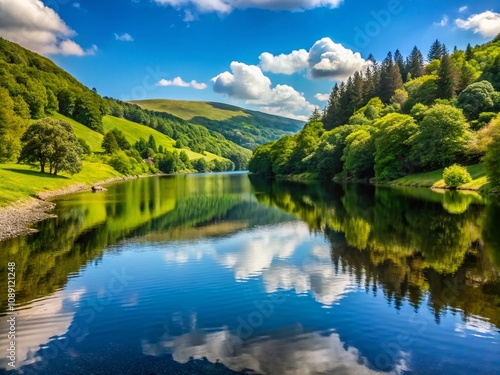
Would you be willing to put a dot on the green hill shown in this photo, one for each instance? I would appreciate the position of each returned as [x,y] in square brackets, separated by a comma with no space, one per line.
[242,126]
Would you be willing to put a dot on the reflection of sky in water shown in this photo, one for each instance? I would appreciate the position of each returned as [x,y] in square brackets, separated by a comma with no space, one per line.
[190,299]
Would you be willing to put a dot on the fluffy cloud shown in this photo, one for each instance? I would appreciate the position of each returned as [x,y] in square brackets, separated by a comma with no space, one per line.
[322,97]
[38,28]
[284,64]
[248,83]
[179,82]
[325,59]
[462,9]
[226,6]
[332,60]
[124,37]
[487,23]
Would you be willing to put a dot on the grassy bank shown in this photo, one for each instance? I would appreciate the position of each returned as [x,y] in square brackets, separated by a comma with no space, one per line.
[21,181]
[435,180]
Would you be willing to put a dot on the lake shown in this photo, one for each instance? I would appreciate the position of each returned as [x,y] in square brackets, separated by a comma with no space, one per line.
[233,274]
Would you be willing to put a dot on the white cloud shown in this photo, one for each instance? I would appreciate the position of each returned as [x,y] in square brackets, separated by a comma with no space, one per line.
[247,82]
[226,6]
[487,23]
[332,60]
[189,16]
[179,82]
[124,37]
[443,22]
[284,64]
[463,9]
[322,97]
[76,5]
[39,28]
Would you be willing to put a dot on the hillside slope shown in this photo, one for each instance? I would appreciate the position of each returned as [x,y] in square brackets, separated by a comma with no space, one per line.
[242,126]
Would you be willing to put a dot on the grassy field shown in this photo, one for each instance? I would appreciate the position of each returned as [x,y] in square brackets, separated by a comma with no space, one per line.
[21,181]
[435,180]
[133,132]
[188,109]
[93,138]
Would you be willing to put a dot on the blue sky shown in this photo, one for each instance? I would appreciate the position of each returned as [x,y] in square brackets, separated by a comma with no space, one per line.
[272,55]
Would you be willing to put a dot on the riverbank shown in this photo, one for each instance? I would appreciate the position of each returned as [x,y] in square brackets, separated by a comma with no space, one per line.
[24,193]
[431,180]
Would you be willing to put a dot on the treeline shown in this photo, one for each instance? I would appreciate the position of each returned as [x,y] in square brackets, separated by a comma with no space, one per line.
[146,157]
[33,87]
[198,138]
[378,125]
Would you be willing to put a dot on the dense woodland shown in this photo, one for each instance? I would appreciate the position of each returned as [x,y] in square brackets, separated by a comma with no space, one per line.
[400,116]
[33,87]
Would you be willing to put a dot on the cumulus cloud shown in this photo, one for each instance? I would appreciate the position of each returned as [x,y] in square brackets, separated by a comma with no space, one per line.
[124,37]
[322,97]
[328,59]
[38,28]
[179,82]
[226,6]
[248,83]
[487,23]
[189,16]
[443,22]
[284,64]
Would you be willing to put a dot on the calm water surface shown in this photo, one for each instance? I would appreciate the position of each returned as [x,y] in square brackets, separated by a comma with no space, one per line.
[230,274]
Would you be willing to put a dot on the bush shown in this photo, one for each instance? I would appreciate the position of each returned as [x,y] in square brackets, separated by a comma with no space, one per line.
[456,175]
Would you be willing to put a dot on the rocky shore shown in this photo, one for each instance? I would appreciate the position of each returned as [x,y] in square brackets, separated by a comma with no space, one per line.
[17,218]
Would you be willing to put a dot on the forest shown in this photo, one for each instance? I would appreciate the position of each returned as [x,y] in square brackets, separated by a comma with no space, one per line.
[399,117]
[33,88]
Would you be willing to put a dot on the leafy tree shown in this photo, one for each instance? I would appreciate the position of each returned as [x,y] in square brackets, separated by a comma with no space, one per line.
[11,126]
[88,112]
[66,99]
[260,163]
[53,142]
[281,152]
[201,165]
[455,176]
[183,156]
[442,139]
[85,146]
[152,143]
[392,145]
[52,103]
[492,157]
[478,97]
[109,143]
[358,154]
[121,139]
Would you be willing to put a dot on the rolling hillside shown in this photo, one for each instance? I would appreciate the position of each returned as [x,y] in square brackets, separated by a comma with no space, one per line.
[242,126]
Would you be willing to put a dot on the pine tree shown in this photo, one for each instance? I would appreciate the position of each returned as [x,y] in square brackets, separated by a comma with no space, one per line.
[398,59]
[447,78]
[390,79]
[436,51]
[469,53]
[415,63]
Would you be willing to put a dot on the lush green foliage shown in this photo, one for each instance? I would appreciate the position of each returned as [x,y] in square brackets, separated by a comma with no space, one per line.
[244,127]
[455,176]
[492,157]
[50,142]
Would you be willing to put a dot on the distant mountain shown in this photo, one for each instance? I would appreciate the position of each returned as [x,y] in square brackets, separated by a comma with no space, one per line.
[242,126]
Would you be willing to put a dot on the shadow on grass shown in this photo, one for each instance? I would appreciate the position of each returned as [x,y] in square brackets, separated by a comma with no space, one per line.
[35,173]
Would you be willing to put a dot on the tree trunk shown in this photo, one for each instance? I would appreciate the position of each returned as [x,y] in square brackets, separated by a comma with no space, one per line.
[42,167]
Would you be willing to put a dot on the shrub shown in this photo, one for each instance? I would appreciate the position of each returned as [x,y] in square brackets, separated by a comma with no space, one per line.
[456,175]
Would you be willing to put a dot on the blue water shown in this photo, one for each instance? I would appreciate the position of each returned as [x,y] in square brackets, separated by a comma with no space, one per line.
[258,287]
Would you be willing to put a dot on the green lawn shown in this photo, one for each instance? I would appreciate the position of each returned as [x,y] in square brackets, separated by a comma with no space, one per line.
[21,181]
[188,109]
[435,180]
[93,138]
[133,132]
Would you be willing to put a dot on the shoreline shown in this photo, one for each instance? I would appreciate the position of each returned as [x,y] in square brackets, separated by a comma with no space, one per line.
[17,218]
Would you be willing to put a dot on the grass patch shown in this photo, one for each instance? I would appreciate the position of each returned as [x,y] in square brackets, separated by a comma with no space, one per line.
[21,181]
[93,138]
[435,180]
[189,109]
[133,132]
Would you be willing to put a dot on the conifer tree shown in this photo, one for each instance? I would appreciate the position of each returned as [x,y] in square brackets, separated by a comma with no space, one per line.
[436,51]
[415,63]
[447,78]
